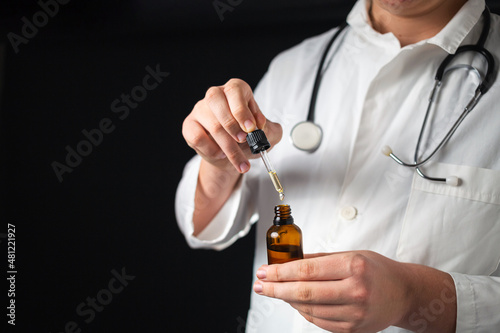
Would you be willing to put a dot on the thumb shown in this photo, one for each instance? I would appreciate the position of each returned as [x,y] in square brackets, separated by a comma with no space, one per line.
[274,132]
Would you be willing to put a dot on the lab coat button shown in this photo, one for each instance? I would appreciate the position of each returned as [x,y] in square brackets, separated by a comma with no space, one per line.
[348,213]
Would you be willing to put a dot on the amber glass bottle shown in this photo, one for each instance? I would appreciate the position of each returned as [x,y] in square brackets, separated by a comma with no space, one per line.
[284,238]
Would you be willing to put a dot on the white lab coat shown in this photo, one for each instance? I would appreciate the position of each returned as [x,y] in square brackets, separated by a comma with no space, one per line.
[349,196]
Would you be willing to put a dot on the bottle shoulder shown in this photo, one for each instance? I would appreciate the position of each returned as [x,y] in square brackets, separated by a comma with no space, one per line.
[284,227]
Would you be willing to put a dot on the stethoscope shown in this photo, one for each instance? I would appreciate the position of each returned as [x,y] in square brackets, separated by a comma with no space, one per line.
[307,135]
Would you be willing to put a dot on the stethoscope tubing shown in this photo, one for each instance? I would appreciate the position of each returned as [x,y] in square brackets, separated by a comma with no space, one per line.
[482,88]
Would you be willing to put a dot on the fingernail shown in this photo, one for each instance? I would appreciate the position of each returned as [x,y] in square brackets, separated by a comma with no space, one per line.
[249,125]
[257,287]
[222,156]
[242,136]
[261,274]
[244,167]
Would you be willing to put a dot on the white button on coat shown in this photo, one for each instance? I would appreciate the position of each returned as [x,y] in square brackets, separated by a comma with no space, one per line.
[348,213]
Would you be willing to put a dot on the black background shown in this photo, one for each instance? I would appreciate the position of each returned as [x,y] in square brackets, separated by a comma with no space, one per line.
[116,209]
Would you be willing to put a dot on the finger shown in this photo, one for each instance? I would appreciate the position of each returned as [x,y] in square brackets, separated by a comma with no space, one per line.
[330,325]
[218,104]
[239,94]
[226,143]
[329,267]
[311,292]
[330,312]
[197,138]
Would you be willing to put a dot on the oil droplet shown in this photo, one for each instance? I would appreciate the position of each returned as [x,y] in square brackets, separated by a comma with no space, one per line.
[282,196]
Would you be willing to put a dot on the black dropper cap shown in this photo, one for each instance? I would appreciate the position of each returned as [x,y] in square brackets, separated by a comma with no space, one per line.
[257,141]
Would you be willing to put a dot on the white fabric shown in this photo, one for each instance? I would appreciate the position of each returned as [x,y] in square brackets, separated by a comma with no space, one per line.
[375,93]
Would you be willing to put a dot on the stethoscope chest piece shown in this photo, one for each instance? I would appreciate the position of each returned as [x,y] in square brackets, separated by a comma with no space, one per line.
[306,136]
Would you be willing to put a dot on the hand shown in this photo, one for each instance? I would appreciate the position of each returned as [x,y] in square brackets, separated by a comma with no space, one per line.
[358,291]
[217,127]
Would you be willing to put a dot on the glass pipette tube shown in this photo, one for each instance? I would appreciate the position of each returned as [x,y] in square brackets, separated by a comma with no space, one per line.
[272,174]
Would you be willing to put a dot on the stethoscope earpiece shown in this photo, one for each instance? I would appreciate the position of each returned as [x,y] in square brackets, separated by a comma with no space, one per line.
[306,136]
[450,180]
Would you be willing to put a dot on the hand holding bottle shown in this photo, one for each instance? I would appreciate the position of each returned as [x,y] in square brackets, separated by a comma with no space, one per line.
[361,291]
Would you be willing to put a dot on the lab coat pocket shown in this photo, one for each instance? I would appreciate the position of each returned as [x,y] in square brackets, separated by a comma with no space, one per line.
[454,228]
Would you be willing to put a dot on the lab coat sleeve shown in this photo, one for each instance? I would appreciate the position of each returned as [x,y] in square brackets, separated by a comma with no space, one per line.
[233,221]
[235,218]
[478,303]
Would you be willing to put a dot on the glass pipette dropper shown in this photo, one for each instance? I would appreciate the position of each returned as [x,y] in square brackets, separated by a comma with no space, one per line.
[259,144]
[272,174]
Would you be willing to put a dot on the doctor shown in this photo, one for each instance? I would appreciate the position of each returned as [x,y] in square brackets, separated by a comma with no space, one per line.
[389,250]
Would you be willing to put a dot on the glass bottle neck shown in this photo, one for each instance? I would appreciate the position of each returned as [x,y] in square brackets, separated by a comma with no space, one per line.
[282,215]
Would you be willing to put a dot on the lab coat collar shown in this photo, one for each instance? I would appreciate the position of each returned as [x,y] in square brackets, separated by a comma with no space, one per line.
[449,38]
[454,33]
[359,20]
